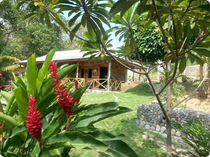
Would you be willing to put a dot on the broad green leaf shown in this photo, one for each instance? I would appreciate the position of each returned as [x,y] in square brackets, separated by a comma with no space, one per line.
[203,51]
[182,64]
[47,20]
[205,7]
[65,71]
[76,140]
[43,71]
[120,5]
[9,103]
[36,150]
[51,129]
[22,99]
[127,46]
[74,30]
[199,60]
[31,74]
[73,19]
[119,147]
[10,122]
[46,102]
[143,7]
[101,108]
[17,131]
[95,118]
[7,96]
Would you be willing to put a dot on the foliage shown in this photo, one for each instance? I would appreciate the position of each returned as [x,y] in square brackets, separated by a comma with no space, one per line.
[149,45]
[57,139]
[178,22]
[198,137]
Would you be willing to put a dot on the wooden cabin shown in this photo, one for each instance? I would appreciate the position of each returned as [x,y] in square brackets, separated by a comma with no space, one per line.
[98,75]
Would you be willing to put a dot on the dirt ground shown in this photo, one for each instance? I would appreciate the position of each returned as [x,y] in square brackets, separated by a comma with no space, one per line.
[194,102]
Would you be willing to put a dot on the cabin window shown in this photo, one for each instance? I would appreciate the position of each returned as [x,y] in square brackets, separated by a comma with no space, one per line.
[90,73]
[82,73]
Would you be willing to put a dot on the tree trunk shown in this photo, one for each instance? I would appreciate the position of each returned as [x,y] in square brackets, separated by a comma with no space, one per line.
[201,89]
[168,121]
[208,76]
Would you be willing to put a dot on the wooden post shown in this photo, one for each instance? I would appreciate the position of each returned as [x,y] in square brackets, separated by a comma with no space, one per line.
[77,73]
[109,76]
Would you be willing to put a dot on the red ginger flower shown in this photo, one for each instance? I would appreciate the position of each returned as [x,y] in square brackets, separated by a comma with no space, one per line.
[64,98]
[33,123]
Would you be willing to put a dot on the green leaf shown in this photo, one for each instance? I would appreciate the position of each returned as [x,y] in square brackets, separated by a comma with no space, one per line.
[10,122]
[36,150]
[66,70]
[9,103]
[31,74]
[74,30]
[47,20]
[182,64]
[46,102]
[76,140]
[119,147]
[44,70]
[7,96]
[73,19]
[199,60]
[17,131]
[205,7]
[120,5]
[86,121]
[22,99]
[203,51]
[51,129]
[143,7]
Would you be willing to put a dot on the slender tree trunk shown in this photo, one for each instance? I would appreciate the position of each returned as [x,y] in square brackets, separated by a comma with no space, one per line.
[201,90]
[208,74]
[168,121]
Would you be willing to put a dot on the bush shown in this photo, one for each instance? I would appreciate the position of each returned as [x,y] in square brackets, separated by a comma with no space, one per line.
[198,137]
[42,117]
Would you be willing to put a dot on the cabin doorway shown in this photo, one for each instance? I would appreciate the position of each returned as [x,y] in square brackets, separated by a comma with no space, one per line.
[103,72]
[103,76]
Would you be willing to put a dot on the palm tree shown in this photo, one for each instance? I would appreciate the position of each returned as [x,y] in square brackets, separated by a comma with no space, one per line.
[6,61]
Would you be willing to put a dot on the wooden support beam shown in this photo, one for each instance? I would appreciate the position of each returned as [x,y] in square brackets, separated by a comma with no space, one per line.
[77,73]
[109,75]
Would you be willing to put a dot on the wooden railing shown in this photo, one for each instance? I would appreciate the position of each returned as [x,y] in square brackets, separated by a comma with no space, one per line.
[98,83]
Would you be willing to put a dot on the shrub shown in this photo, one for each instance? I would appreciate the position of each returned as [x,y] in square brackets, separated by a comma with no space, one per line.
[42,117]
[198,137]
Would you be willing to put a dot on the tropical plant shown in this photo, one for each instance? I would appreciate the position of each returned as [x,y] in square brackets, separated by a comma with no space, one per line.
[42,117]
[178,22]
[197,136]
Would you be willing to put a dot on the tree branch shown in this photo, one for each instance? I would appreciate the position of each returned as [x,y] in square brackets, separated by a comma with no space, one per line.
[186,10]
[190,93]
[161,28]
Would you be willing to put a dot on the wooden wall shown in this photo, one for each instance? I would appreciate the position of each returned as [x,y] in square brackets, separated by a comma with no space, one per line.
[118,72]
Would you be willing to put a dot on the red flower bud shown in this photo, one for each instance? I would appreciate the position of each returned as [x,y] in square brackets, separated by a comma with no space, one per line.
[64,98]
[33,123]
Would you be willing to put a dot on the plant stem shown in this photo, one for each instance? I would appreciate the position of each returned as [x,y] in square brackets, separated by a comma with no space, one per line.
[68,124]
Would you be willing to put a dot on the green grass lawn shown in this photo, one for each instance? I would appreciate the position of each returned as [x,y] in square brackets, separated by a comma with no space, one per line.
[126,123]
